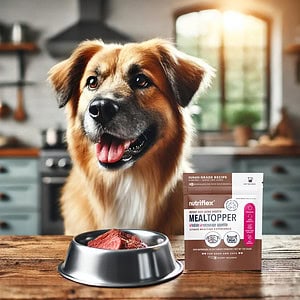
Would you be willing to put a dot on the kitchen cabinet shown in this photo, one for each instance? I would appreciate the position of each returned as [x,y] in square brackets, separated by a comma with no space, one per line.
[19,201]
[281,201]
[281,192]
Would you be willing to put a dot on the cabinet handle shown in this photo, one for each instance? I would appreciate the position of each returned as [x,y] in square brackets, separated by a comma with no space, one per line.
[3,170]
[3,197]
[278,223]
[279,196]
[4,225]
[279,169]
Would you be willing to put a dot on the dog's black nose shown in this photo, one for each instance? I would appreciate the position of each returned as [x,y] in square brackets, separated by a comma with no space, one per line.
[103,110]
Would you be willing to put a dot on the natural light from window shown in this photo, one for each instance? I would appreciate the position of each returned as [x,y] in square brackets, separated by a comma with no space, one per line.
[236,45]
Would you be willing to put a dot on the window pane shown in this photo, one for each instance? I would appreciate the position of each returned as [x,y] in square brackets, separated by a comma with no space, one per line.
[233,41]
[194,30]
[209,116]
[245,61]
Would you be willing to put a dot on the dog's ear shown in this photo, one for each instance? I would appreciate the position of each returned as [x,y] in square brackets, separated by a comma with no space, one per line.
[65,76]
[186,74]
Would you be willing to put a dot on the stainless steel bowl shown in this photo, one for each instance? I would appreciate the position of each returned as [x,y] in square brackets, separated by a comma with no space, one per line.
[121,268]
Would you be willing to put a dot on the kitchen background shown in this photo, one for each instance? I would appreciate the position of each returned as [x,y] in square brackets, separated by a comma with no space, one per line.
[140,20]
[30,183]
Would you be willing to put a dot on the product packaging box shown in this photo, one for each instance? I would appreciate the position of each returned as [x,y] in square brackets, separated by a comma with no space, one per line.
[223,221]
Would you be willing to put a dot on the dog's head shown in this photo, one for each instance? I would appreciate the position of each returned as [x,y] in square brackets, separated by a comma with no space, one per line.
[127,99]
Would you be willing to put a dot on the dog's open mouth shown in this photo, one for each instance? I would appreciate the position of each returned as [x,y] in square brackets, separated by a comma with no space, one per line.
[113,152]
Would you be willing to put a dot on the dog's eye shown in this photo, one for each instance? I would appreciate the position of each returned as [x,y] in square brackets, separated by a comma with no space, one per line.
[92,82]
[140,81]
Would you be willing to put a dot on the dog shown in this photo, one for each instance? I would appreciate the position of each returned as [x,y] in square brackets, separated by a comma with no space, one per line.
[128,133]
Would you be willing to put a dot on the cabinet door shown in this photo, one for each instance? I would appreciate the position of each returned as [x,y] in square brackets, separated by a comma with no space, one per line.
[281,224]
[282,170]
[18,196]
[19,224]
[25,169]
[282,198]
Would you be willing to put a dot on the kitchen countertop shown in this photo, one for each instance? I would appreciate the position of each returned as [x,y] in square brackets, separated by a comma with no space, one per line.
[233,151]
[19,152]
[28,270]
[248,151]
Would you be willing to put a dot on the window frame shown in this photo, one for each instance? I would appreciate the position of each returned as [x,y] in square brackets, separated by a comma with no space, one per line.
[198,7]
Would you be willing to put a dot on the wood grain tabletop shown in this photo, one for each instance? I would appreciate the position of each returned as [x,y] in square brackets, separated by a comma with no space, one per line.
[28,270]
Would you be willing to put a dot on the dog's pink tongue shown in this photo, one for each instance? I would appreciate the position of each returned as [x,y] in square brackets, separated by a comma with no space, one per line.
[111,150]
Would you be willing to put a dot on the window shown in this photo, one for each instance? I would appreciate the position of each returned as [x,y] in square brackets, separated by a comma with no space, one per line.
[237,46]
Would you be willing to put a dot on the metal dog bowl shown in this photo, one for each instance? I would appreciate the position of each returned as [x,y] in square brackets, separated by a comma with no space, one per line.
[121,268]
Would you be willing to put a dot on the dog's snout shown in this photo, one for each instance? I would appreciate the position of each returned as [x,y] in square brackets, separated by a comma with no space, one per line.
[103,110]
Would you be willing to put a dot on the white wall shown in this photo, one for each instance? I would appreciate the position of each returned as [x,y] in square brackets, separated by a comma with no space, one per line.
[48,17]
[142,19]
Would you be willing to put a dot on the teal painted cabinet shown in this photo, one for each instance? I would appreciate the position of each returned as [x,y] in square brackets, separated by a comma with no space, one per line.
[19,196]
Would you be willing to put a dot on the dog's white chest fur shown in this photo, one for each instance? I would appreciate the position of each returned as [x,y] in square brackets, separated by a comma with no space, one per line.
[130,204]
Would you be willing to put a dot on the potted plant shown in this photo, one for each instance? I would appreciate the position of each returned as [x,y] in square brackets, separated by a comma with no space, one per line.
[242,121]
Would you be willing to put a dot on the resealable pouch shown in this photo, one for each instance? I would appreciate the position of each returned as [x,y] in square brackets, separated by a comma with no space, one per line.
[223,221]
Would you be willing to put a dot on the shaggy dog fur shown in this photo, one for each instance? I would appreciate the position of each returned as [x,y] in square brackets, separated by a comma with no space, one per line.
[128,133]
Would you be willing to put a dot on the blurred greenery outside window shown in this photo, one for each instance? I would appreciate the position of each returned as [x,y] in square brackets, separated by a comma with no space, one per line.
[237,46]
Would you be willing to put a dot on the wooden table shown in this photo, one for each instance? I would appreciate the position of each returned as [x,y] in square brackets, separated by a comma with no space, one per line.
[28,270]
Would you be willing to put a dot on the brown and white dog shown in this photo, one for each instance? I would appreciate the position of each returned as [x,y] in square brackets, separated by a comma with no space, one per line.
[128,133]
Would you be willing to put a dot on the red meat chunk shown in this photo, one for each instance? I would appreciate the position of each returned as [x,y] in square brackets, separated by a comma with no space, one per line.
[115,239]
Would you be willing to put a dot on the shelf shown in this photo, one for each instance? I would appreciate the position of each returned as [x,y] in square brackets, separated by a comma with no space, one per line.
[15,83]
[293,48]
[10,47]
[20,50]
